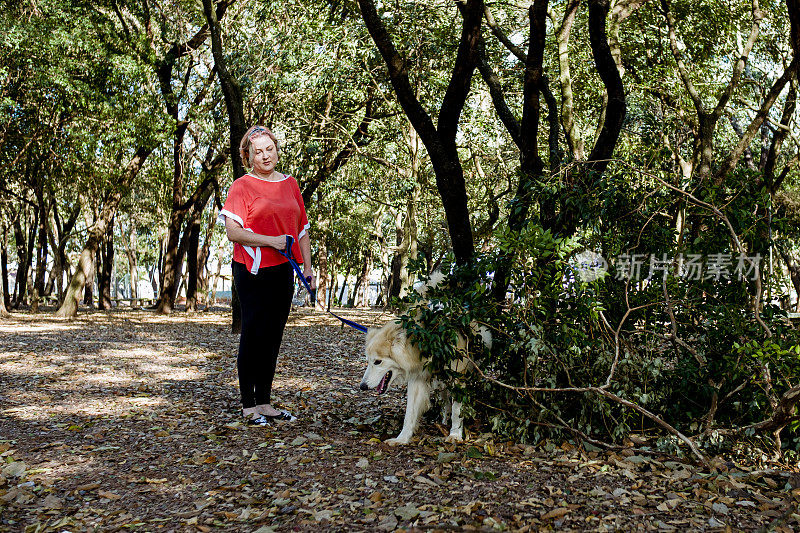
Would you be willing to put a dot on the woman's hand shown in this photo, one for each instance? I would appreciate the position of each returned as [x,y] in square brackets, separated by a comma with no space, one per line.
[279,242]
[244,237]
[310,277]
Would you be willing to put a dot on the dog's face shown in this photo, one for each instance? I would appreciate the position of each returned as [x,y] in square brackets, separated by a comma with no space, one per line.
[385,358]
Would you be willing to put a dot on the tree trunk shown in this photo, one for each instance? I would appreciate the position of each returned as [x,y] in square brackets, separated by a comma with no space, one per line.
[69,307]
[3,309]
[169,272]
[531,164]
[131,245]
[395,263]
[366,281]
[351,297]
[607,68]
[439,140]
[23,264]
[55,274]
[106,269]
[344,286]
[183,246]
[333,284]
[573,136]
[235,108]
[41,250]
[362,280]
[152,275]
[202,261]
[172,263]
[230,88]
[406,247]
[88,289]
[386,269]
[794,272]
[192,265]
[322,269]
[778,138]
[29,281]
[61,237]
[212,288]
[4,300]
[191,240]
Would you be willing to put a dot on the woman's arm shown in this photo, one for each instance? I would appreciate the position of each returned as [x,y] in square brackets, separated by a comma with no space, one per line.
[305,251]
[238,234]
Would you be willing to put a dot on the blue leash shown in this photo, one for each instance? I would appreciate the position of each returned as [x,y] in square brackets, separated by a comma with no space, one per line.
[307,283]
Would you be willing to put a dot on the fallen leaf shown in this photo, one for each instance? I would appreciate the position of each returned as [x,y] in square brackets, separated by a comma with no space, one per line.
[445,457]
[720,508]
[15,469]
[555,513]
[52,502]
[406,512]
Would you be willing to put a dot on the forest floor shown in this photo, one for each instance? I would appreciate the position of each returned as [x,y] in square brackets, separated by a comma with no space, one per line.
[127,420]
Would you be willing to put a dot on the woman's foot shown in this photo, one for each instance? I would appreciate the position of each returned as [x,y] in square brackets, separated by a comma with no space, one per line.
[270,413]
[254,418]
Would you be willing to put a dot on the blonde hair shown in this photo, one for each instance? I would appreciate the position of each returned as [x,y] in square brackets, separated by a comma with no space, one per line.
[246,144]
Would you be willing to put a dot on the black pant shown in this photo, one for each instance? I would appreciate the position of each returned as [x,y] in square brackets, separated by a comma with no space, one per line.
[266,299]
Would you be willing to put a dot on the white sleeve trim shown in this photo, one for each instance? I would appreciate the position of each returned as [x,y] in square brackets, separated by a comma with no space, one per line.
[255,253]
[225,213]
[304,231]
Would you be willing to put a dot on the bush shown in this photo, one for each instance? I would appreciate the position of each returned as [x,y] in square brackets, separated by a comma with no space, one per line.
[688,350]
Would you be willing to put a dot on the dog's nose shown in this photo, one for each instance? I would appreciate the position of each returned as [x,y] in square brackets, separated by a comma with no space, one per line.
[363,386]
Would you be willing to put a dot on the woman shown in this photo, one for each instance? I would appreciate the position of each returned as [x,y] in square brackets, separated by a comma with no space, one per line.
[262,208]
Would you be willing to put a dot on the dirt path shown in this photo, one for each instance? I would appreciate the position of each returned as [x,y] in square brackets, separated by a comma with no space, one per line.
[129,421]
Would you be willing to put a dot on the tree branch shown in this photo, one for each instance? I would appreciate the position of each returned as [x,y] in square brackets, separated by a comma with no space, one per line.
[466,60]
[731,161]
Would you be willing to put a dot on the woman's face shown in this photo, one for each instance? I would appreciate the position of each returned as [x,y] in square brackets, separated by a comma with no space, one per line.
[263,155]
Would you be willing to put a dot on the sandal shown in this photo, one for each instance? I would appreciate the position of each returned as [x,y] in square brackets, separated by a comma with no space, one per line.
[255,419]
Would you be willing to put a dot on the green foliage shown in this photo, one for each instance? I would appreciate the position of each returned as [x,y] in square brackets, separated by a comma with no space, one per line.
[561,333]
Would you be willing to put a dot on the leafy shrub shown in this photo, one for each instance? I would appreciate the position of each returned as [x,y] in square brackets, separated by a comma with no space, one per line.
[690,351]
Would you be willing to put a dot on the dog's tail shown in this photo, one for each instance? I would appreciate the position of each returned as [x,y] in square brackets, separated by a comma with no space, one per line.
[483,332]
[434,280]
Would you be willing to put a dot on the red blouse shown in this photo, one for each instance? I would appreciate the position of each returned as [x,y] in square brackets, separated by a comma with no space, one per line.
[267,208]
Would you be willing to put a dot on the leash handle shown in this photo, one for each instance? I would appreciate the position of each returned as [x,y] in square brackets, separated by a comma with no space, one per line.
[287,253]
[312,293]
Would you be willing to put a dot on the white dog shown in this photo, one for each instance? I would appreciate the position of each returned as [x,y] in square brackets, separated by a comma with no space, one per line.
[393,359]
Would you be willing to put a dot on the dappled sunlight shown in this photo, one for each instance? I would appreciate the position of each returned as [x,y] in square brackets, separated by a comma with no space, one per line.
[107,366]
[145,401]
[37,327]
[114,406]
[161,371]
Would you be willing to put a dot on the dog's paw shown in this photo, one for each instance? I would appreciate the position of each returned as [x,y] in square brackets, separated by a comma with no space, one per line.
[454,438]
[397,441]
